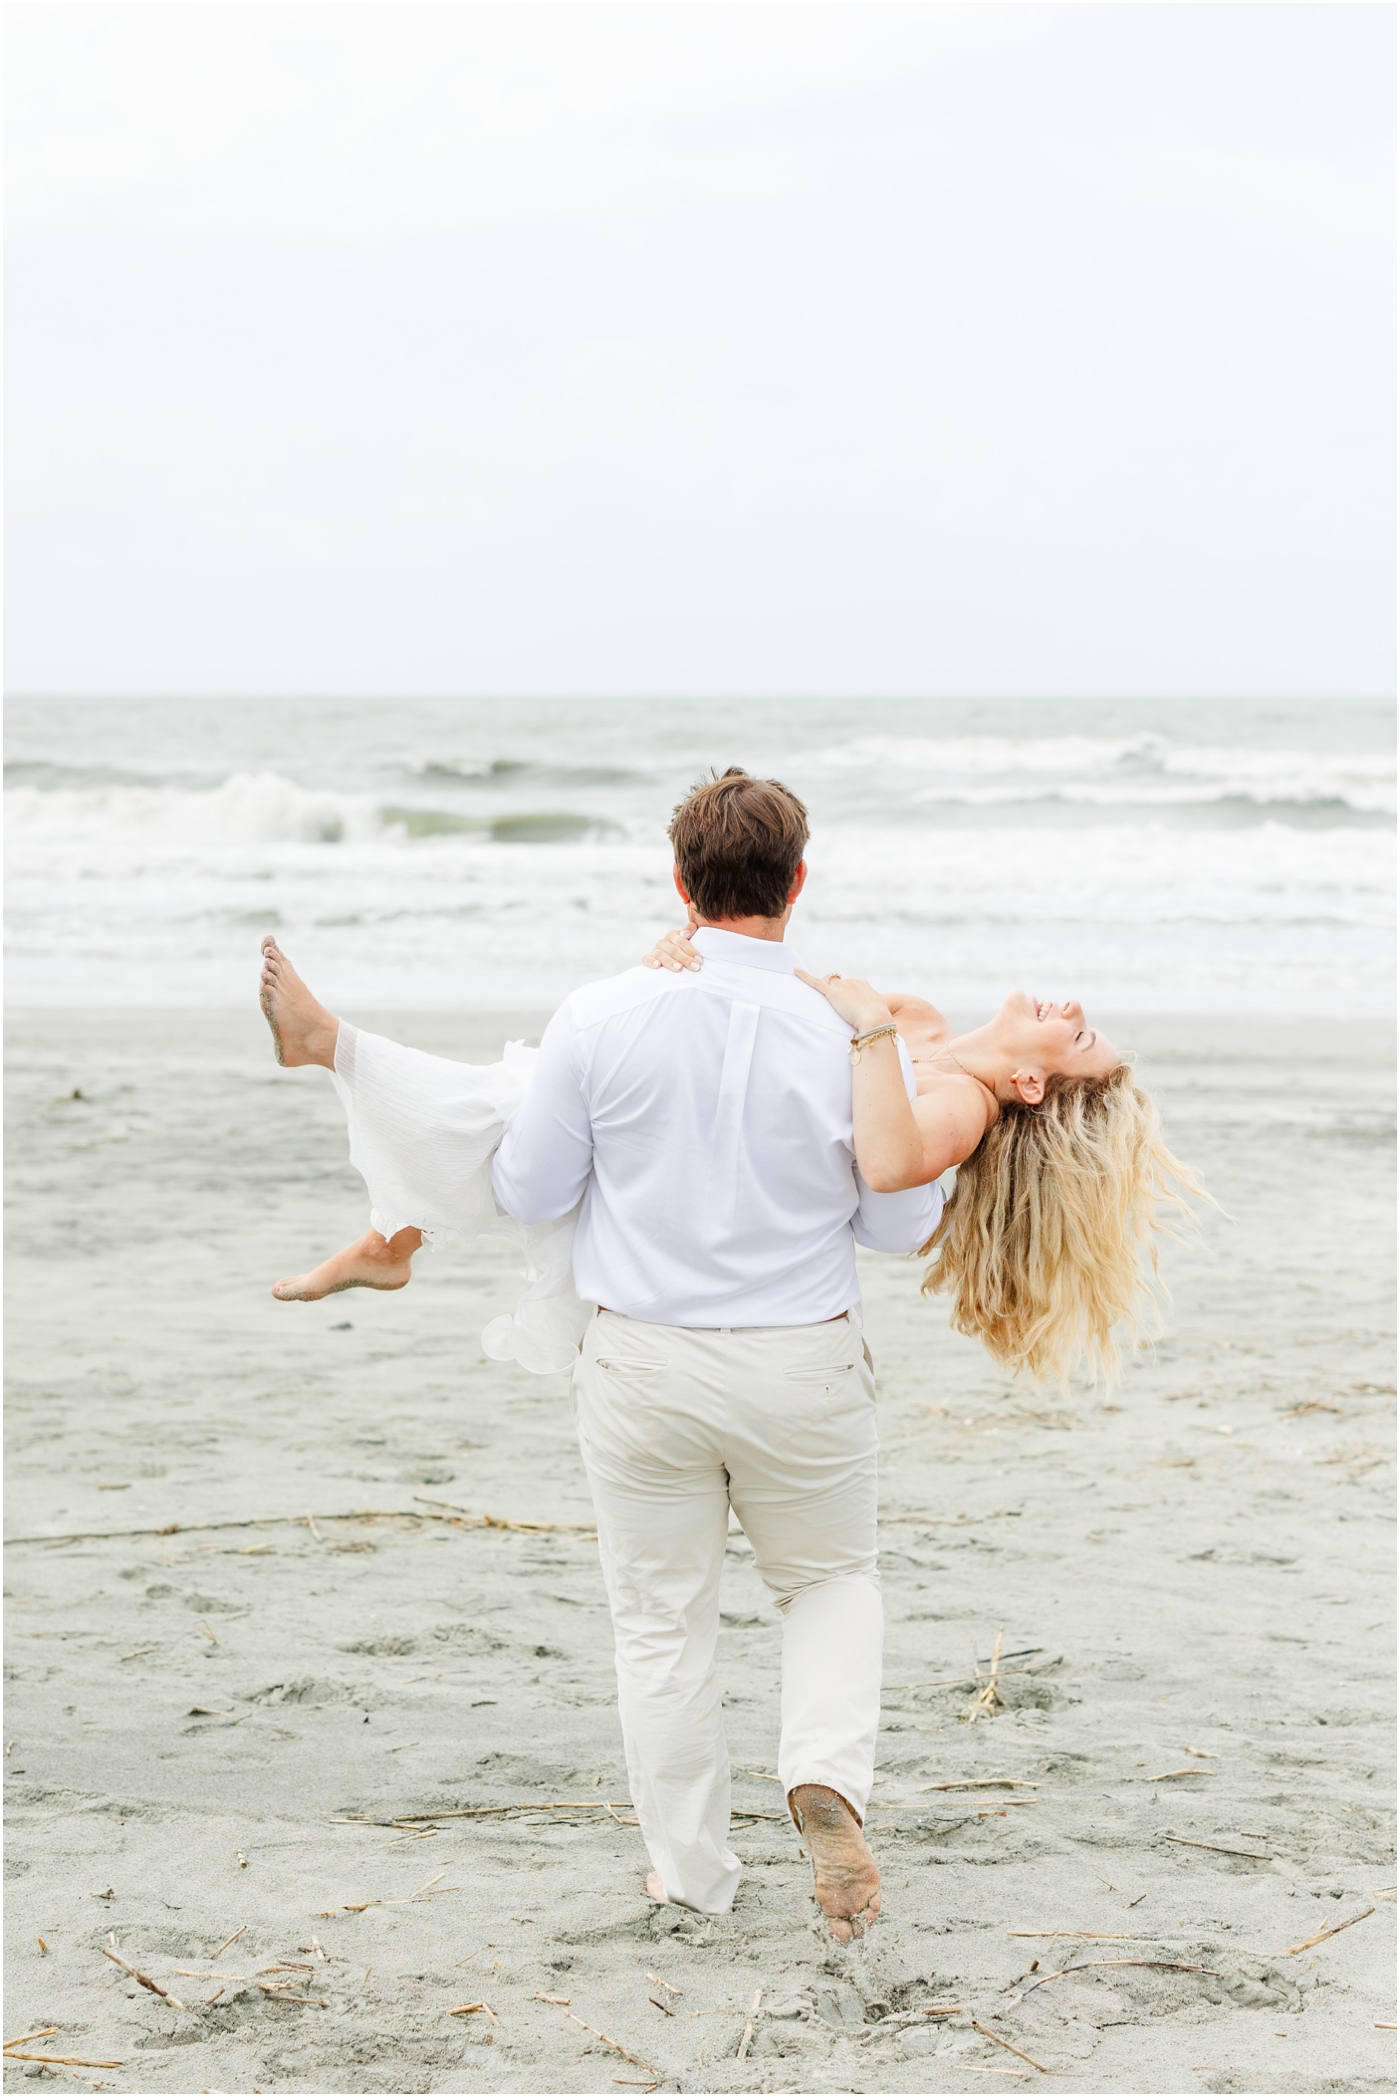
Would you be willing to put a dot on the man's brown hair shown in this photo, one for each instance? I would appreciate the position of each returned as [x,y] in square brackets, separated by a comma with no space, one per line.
[738,843]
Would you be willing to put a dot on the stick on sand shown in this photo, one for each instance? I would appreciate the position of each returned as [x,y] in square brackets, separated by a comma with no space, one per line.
[144,1978]
[487,1521]
[744,2043]
[1220,1849]
[1088,1936]
[986,1784]
[988,1699]
[1335,1931]
[1165,1965]
[988,2033]
[61,2060]
[604,2040]
[353,1514]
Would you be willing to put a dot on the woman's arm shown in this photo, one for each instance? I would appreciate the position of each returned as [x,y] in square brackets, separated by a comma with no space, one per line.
[901,1142]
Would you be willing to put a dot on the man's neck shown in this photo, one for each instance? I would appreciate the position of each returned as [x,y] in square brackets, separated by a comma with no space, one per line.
[748,927]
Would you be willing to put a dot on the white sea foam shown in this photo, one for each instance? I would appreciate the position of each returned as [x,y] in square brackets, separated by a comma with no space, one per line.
[431,858]
[250,806]
[1119,771]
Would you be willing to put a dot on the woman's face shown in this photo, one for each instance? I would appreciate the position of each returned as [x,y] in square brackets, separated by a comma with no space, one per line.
[1045,1040]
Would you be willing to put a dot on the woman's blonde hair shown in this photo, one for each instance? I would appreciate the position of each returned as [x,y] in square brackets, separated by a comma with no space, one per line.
[1040,1245]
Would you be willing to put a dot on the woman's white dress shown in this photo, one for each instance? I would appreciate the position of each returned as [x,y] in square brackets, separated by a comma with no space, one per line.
[423,1131]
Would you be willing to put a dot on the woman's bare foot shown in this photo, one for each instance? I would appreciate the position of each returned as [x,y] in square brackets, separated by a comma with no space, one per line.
[371,1262]
[655,1889]
[847,1879]
[302,1029]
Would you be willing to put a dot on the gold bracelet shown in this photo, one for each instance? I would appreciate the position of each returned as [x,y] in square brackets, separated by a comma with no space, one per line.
[860,1041]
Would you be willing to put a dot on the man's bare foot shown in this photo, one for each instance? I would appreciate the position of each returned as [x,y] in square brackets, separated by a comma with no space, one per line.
[655,1889]
[302,1029]
[371,1262]
[847,1879]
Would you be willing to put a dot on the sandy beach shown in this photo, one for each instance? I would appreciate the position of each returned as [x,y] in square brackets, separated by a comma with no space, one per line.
[326,1765]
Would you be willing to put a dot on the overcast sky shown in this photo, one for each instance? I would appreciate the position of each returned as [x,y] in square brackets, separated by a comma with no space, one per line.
[700,349]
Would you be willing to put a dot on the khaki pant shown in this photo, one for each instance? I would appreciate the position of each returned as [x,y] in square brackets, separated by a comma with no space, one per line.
[676,1426]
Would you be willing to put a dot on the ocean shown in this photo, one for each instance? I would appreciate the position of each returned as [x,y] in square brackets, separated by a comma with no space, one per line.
[416,854]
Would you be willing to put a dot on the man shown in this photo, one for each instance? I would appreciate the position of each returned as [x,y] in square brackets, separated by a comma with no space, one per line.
[704,1121]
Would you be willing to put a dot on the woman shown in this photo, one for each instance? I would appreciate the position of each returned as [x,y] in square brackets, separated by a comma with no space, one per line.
[1062,1175]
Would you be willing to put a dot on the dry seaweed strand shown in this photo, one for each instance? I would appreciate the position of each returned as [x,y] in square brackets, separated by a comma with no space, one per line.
[988,2033]
[1166,1965]
[987,1784]
[747,2039]
[27,2038]
[604,2040]
[229,1940]
[61,2060]
[601,1809]
[144,1978]
[292,1521]
[1088,1936]
[971,1680]
[988,1700]
[487,1521]
[1220,1849]
[1335,1931]
[469,2009]
[358,1907]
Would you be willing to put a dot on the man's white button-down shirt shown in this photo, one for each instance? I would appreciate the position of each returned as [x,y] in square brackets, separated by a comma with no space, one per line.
[704,1121]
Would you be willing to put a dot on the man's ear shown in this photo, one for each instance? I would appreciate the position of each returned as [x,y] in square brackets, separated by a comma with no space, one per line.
[1028,1086]
[799,882]
[681,890]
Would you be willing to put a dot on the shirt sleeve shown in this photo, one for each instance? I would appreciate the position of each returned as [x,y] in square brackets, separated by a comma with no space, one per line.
[899,1222]
[546,1154]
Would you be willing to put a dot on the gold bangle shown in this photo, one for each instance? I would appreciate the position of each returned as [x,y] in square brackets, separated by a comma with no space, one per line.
[860,1041]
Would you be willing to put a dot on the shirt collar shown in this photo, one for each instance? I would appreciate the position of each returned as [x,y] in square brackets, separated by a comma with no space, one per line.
[772,954]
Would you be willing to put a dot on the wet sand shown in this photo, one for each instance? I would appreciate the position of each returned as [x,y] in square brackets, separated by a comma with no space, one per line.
[222,1728]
